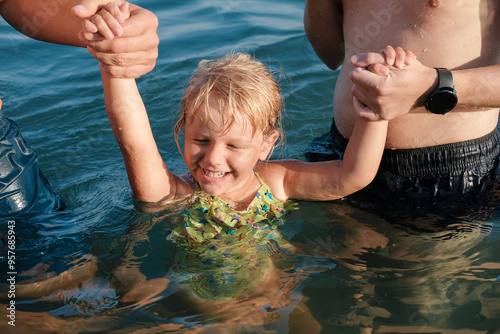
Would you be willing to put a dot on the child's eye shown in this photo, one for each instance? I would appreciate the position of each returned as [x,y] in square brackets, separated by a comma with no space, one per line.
[235,147]
[201,141]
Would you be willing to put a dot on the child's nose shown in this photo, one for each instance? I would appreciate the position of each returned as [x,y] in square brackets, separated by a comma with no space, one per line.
[214,155]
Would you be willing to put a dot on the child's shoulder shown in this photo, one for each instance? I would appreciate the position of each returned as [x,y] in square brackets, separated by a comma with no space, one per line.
[272,174]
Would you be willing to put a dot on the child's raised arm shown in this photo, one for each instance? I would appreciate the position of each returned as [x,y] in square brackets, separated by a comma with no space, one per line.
[330,180]
[148,175]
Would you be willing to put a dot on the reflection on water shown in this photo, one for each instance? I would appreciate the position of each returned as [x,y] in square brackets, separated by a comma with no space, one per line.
[345,271]
[395,278]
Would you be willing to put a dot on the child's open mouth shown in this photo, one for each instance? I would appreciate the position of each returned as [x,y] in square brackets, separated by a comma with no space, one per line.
[216,175]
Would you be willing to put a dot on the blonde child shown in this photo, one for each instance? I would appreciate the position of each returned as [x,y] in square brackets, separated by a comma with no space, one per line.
[230,121]
[230,118]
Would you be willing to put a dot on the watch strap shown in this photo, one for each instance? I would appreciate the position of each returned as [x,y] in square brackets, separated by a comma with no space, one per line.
[445,78]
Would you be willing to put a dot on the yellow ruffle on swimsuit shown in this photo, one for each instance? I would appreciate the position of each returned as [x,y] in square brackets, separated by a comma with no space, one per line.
[225,252]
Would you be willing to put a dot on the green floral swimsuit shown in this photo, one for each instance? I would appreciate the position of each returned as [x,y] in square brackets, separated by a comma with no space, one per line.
[225,252]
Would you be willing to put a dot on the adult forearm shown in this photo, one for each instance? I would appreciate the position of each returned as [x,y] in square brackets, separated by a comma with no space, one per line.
[408,88]
[478,87]
[60,22]
[46,20]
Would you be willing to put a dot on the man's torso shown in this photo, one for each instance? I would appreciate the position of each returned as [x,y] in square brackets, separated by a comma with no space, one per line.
[456,34]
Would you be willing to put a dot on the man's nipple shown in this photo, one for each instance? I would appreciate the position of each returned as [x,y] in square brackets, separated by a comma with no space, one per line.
[434,3]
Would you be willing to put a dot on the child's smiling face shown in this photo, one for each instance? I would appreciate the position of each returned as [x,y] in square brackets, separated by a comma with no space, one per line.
[222,162]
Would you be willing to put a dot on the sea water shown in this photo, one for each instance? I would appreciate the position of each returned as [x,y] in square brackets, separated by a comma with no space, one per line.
[352,270]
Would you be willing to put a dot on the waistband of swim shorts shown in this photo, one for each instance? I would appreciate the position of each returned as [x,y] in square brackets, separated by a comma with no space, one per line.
[440,159]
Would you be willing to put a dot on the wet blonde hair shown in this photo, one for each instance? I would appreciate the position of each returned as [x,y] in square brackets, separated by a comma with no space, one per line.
[242,89]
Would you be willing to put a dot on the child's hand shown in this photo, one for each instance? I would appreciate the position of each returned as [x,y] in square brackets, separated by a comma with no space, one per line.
[364,111]
[397,57]
[107,21]
[382,62]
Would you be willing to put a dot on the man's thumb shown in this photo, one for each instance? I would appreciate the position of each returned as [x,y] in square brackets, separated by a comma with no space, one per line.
[85,8]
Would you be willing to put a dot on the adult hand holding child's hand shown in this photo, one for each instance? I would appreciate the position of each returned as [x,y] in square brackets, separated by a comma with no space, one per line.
[391,82]
[132,48]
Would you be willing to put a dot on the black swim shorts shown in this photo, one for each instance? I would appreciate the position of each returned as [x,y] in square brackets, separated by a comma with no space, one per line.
[422,181]
[23,187]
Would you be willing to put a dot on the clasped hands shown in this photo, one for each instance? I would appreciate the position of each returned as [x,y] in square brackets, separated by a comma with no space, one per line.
[132,50]
[389,83]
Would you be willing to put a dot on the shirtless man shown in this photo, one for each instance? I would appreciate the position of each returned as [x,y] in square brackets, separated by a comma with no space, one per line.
[23,187]
[460,36]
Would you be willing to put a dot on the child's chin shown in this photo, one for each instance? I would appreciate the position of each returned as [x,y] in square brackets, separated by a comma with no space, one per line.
[213,192]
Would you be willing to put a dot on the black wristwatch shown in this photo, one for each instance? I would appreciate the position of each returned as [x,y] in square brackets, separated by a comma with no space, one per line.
[444,98]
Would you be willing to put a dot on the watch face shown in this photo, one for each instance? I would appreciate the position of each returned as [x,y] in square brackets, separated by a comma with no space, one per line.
[441,102]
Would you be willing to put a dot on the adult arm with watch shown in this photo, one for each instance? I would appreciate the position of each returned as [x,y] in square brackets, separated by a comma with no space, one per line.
[429,156]
[418,85]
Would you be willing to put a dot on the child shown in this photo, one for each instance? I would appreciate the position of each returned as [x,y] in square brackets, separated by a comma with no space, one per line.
[230,119]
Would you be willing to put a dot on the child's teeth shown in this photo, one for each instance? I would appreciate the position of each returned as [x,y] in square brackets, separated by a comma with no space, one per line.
[215,174]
